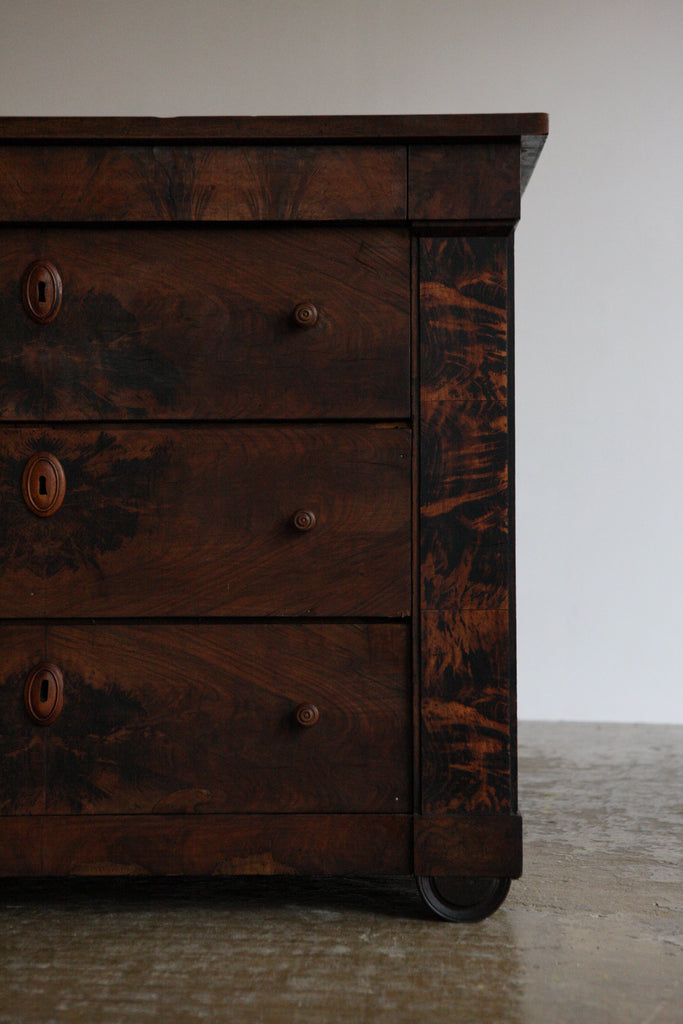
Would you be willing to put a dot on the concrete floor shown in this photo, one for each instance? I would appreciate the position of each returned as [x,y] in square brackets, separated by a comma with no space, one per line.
[593,932]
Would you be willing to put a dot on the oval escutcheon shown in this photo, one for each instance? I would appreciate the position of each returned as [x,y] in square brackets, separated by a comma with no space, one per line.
[43,484]
[42,291]
[44,693]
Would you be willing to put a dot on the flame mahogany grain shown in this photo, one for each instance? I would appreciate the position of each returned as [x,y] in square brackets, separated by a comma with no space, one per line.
[203,183]
[197,521]
[201,718]
[187,323]
[464,520]
[214,844]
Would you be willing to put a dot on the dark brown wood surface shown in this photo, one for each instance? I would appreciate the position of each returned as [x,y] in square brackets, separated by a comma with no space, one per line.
[22,743]
[201,183]
[484,845]
[483,181]
[464,487]
[202,718]
[195,323]
[21,847]
[216,844]
[465,711]
[278,639]
[464,525]
[198,521]
[357,127]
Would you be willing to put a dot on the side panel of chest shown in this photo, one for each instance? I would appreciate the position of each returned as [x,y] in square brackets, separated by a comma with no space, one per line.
[466,548]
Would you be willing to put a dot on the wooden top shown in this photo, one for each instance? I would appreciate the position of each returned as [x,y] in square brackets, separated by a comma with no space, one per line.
[531,129]
[387,128]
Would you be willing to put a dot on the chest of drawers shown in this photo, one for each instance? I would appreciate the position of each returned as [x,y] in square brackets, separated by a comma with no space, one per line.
[256,500]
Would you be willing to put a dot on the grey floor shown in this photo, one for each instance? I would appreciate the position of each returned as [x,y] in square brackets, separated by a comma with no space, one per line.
[592,933]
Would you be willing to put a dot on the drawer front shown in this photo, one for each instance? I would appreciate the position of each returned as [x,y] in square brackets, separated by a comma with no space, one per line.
[187,521]
[208,718]
[202,183]
[208,323]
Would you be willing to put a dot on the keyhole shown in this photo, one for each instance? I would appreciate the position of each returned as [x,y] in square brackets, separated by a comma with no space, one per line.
[41,292]
[44,689]
[42,485]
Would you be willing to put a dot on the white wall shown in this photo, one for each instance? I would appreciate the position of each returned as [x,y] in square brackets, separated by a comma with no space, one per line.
[599,272]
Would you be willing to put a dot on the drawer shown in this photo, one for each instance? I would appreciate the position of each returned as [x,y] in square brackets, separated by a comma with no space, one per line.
[205,323]
[212,521]
[208,718]
[202,183]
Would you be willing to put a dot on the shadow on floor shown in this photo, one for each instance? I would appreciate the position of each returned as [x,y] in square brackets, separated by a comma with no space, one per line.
[394,897]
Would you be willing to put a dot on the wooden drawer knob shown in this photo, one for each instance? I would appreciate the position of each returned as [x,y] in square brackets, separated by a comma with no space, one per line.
[305,314]
[303,520]
[44,693]
[41,291]
[307,715]
[43,484]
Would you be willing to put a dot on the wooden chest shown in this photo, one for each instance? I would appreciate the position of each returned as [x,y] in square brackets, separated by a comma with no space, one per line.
[256,498]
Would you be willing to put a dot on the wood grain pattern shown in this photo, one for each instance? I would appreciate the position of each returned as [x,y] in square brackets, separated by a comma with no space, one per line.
[465,711]
[192,323]
[464,423]
[202,183]
[482,845]
[201,718]
[197,521]
[465,553]
[216,844]
[22,745]
[21,847]
[454,181]
[191,619]
[464,505]
[464,319]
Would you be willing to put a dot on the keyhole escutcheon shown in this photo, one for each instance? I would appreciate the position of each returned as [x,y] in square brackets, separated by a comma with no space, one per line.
[42,291]
[44,693]
[43,484]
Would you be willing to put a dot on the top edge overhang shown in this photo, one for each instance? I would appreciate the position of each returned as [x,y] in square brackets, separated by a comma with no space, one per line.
[530,128]
[337,128]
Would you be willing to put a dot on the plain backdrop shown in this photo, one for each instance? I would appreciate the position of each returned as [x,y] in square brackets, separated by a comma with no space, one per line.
[598,275]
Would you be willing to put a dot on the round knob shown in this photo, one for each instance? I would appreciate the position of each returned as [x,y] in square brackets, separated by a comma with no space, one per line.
[307,715]
[305,314]
[303,520]
[44,693]
[43,484]
[42,291]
